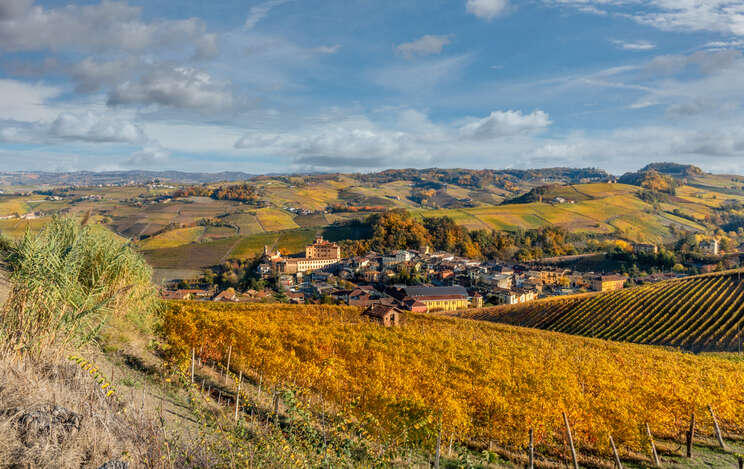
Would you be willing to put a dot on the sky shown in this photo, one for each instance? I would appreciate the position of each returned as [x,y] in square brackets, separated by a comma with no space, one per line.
[284,86]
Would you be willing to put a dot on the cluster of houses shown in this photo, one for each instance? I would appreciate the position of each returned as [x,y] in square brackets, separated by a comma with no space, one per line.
[449,282]
[374,281]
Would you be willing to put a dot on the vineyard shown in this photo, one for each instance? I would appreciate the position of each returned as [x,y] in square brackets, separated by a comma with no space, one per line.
[701,313]
[482,382]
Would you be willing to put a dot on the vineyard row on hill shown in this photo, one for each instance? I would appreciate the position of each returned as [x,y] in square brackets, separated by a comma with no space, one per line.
[702,313]
[489,382]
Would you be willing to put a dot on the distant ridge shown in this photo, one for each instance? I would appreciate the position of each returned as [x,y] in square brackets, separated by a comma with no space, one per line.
[698,313]
[91,178]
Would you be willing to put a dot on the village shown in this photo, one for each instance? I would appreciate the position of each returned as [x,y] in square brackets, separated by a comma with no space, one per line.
[420,281]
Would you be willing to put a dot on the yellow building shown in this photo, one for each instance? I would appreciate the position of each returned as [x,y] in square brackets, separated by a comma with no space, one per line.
[608,282]
[439,298]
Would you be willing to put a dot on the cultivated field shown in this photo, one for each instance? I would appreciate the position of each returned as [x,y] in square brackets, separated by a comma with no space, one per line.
[488,382]
[698,313]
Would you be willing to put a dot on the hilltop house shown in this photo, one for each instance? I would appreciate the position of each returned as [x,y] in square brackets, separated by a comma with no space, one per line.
[709,246]
[226,295]
[386,315]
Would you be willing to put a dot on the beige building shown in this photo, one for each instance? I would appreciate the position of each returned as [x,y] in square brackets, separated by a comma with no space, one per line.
[318,255]
[513,297]
[608,282]
[322,249]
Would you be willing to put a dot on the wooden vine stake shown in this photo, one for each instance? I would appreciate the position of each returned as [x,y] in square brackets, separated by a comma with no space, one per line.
[741,462]
[227,370]
[614,452]
[691,435]
[654,454]
[570,441]
[718,429]
[532,450]
[439,444]
[237,395]
[192,365]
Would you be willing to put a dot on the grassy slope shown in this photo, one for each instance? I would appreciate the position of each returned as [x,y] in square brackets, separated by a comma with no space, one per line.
[695,313]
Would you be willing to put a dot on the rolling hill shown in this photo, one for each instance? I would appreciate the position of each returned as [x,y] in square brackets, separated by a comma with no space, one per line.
[699,313]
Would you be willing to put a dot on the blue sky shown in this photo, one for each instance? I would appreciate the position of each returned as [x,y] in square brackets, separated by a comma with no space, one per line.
[361,85]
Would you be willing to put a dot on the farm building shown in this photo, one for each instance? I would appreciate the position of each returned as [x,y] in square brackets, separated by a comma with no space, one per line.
[384,314]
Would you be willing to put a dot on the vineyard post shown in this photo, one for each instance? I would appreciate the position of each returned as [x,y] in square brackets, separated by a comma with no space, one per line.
[219,397]
[201,349]
[276,407]
[237,396]
[532,449]
[614,452]
[439,443]
[741,462]
[449,450]
[691,435]
[571,442]
[227,370]
[193,351]
[654,454]
[718,429]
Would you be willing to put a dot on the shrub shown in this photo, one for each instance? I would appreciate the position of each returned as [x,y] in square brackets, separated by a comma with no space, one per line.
[67,280]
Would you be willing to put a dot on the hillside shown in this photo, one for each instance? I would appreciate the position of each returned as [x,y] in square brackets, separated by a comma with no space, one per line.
[704,312]
[181,236]
[486,383]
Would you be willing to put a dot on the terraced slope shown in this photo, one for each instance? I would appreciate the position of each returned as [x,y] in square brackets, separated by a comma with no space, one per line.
[704,312]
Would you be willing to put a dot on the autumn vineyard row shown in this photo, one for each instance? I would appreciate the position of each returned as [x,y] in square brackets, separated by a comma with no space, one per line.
[490,382]
[696,313]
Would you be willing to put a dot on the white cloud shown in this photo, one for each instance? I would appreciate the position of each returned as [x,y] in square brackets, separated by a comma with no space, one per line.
[259,12]
[722,16]
[408,139]
[91,75]
[10,9]
[91,127]
[26,101]
[486,9]
[505,123]
[425,45]
[151,155]
[88,127]
[206,47]
[351,143]
[109,25]
[634,45]
[178,87]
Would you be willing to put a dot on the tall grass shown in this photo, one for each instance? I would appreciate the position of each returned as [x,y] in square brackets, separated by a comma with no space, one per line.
[67,281]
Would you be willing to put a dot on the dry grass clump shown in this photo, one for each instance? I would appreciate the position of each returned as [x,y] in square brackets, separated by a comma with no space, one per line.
[67,280]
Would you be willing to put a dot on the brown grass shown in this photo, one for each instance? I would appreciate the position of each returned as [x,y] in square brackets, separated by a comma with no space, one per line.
[108,428]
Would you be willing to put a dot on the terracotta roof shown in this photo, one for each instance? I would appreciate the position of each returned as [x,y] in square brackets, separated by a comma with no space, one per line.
[379,310]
